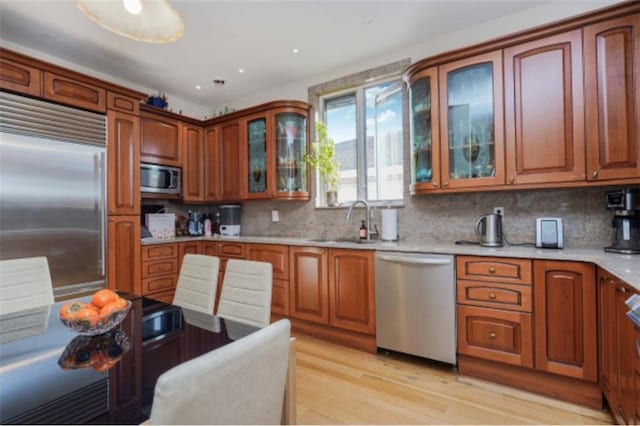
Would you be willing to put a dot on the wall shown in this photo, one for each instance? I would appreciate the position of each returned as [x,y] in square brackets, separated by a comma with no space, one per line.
[539,15]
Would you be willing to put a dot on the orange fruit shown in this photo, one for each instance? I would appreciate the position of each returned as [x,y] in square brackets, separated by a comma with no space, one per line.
[111,308]
[103,297]
[88,316]
[70,310]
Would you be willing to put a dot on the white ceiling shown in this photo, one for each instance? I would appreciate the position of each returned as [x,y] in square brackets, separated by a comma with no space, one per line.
[222,36]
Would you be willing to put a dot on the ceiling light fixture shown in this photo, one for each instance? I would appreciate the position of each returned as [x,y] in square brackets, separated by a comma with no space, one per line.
[151,21]
[294,50]
[241,70]
[198,87]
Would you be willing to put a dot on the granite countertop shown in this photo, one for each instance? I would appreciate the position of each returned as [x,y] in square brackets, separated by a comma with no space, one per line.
[625,267]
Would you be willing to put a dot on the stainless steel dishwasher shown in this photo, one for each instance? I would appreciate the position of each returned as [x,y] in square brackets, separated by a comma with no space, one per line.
[415,304]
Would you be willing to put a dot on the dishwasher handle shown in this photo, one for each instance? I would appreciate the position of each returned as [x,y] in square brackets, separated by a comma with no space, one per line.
[414,260]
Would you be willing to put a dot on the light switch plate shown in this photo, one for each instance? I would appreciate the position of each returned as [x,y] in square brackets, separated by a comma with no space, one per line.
[275,215]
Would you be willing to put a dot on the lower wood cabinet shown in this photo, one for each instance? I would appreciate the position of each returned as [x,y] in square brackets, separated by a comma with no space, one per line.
[565,318]
[160,269]
[278,257]
[619,362]
[495,334]
[309,288]
[124,254]
[351,290]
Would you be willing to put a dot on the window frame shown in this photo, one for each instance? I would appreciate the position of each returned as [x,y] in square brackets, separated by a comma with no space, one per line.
[361,140]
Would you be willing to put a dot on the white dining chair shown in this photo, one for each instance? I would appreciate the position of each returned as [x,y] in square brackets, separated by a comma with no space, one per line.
[24,284]
[197,283]
[246,292]
[240,383]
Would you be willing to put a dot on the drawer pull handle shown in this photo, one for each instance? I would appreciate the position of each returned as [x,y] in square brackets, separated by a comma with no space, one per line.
[492,335]
[445,184]
[492,295]
[595,174]
[492,270]
[435,184]
[622,289]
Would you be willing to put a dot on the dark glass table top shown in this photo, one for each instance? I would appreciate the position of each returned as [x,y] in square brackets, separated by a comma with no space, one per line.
[42,362]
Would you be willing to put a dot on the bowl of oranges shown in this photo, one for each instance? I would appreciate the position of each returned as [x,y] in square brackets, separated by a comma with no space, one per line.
[105,311]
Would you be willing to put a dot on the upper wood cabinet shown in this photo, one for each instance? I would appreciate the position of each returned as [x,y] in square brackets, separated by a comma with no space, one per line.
[193,173]
[256,150]
[351,290]
[471,122]
[212,166]
[612,82]
[425,131]
[160,139]
[123,169]
[69,91]
[123,103]
[290,132]
[229,151]
[544,110]
[21,78]
[565,319]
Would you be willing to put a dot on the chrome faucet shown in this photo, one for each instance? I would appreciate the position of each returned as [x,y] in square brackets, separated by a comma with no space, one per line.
[368,213]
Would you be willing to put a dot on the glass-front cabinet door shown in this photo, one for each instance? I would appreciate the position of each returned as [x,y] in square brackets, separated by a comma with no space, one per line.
[291,144]
[257,153]
[471,122]
[425,135]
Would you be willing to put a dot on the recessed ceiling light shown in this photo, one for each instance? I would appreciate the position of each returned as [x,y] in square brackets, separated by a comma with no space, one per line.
[198,87]
[241,70]
[294,50]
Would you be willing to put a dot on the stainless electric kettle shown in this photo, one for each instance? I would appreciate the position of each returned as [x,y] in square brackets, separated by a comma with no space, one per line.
[489,229]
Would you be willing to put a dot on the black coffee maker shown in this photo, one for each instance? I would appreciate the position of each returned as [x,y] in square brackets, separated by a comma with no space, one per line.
[626,220]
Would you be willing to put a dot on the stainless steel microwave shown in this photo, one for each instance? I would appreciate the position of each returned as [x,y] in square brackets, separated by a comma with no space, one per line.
[160,179]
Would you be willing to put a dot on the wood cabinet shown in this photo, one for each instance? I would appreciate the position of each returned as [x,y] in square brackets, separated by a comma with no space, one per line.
[193,172]
[20,78]
[544,117]
[123,103]
[229,151]
[69,91]
[618,352]
[308,286]
[123,169]
[565,319]
[212,166]
[160,139]
[160,270]
[472,133]
[289,128]
[278,257]
[192,247]
[124,254]
[351,290]
[612,79]
[495,319]
[256,169]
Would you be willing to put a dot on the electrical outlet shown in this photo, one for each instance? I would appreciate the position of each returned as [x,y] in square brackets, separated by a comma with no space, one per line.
[499,210]
[275,216]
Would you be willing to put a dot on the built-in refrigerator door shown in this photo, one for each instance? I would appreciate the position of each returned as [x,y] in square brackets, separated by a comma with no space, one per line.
[52,204]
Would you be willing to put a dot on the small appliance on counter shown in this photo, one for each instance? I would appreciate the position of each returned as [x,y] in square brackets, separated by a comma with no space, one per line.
[194,225]
[389,224]
[626,220]
[489,229]
[161,225]
[549,232]
[230,220]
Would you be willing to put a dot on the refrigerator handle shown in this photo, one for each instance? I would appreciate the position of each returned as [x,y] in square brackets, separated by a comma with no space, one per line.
[102,212]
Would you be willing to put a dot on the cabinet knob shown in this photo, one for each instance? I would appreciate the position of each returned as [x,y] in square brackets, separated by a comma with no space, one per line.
[112,211]
[435,184]
[594,174]
[622,289]
[492,270]
[492,335]
[512,179]
[445,184]
[161,268]
[492,296]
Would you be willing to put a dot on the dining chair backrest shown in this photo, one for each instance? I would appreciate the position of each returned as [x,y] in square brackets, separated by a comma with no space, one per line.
[240,383]
[197,283]
[246,292]
[24,284]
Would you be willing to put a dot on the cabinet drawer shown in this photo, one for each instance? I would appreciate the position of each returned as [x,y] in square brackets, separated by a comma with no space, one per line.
[161,267]
[502,270]
[280,297]
[495,335]
[159,251]
[71,92]
[155,284]
[231,250]
[494,295]
[163,296]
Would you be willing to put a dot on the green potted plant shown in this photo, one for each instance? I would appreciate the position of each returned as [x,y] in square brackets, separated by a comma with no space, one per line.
[322,158]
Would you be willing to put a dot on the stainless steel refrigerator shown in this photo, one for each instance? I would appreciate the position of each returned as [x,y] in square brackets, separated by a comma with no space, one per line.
[53,190]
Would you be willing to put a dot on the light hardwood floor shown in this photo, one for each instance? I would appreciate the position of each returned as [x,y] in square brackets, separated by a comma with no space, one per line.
[338,385]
